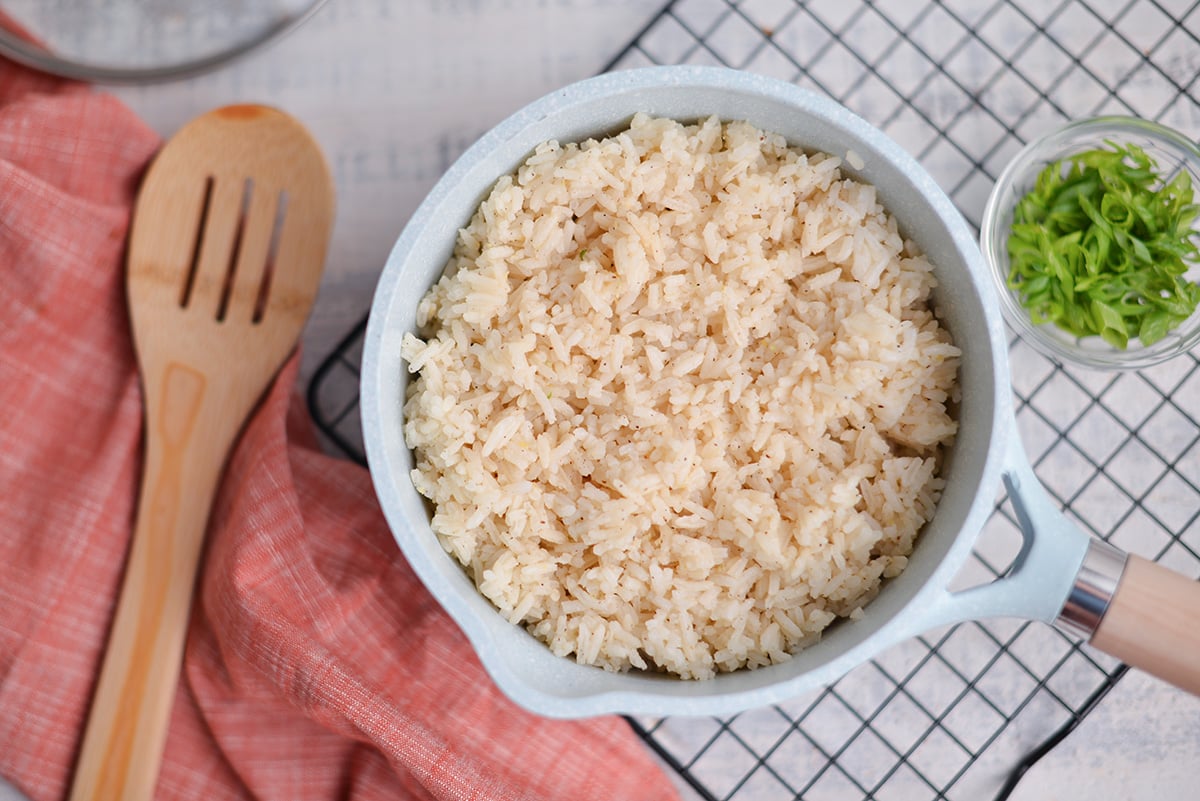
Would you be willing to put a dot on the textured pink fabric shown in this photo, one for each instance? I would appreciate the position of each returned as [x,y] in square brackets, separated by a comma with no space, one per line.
[316,666]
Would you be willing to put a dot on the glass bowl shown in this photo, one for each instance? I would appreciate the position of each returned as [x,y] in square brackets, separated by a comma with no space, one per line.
[1170,150]
[141,41]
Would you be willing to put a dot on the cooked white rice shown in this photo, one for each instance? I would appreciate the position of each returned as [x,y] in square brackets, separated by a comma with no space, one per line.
[681,399]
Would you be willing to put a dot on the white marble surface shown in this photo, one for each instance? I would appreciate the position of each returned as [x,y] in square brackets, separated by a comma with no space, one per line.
[394,91]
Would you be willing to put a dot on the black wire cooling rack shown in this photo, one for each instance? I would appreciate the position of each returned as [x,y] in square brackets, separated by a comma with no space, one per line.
[962,712]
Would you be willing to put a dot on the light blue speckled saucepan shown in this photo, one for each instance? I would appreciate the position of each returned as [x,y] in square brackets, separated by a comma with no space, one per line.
[1061,575]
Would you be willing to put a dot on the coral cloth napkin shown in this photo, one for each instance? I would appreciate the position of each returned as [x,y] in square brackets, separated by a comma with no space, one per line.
[316,665]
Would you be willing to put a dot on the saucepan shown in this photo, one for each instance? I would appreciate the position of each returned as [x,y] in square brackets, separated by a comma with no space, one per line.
[1127,606]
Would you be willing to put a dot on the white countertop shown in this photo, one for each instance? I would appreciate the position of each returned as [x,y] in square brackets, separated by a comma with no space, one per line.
[395,91]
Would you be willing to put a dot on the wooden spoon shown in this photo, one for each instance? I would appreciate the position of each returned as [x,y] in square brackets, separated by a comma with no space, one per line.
[226,249]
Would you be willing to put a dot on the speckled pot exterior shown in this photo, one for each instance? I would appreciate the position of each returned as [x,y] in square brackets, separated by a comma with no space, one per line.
[985,453]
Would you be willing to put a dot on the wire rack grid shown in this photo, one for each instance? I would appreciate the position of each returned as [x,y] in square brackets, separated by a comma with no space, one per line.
[959,713]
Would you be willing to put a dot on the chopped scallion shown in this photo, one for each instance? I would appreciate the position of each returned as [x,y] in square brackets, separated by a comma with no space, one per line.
[1101,246]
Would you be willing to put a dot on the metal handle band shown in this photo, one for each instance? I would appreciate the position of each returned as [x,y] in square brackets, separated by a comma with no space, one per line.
[1094,587]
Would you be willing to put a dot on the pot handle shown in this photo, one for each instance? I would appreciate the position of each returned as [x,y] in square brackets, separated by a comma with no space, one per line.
[1041,575]
[1152,622]
[1142,613]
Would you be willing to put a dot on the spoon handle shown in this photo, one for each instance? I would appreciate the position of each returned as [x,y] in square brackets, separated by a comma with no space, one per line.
[186,445]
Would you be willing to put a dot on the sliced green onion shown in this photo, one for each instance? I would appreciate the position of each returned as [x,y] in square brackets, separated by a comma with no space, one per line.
[1101,244]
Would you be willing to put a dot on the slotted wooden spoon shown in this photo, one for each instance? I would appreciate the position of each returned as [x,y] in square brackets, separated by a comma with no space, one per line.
[226,249]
